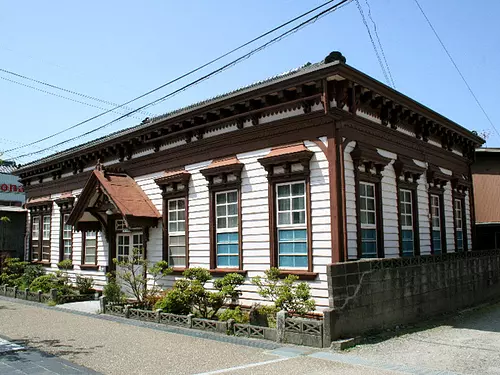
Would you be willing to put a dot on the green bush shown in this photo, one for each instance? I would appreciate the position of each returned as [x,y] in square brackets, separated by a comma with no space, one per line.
[31,272]
[190,295]
[112,290]
[65,264]
[12,270]
[44,283]
[175,301]
[84,285]
[236,314]
[285,293]
[56,281]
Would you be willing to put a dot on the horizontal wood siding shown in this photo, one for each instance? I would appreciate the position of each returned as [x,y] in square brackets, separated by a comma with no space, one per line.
[449,219]
[423,213]
[350,197]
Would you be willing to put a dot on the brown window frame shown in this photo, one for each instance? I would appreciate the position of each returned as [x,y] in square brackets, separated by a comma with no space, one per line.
[223,175]
[413,188]
[368,167]
[442,219]
[379,217]
[461,199]
[84,248]
[174,185]
[278,165]
[40,210]
[65,208]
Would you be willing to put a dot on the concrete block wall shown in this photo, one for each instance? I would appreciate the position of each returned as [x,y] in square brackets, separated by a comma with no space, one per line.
[380,293]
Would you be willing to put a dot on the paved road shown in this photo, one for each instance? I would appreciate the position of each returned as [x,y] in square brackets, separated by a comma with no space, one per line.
[115,346]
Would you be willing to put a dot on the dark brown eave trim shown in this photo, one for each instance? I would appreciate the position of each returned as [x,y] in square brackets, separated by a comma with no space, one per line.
[180,177]
[149,135]
[381,89]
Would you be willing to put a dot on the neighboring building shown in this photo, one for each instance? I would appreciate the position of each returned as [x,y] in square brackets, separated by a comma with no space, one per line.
[12,229]
[318,165]
[486,184]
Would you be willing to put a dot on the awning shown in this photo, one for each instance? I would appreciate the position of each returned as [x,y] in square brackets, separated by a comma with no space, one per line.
[109,193]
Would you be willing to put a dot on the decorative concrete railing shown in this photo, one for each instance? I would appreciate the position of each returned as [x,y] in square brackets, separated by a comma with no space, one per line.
[26,294]
[288,330]
[77,298]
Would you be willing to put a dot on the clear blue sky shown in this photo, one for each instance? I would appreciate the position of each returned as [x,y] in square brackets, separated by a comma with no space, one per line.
[116,50]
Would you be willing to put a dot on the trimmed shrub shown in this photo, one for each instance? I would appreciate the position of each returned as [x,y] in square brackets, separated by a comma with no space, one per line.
[84,285]
[31,272]
[286,293]
[44,283]
[175,301]
[112,290]
[12,270]
[237,315]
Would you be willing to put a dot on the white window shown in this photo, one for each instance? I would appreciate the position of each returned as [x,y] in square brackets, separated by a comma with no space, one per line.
[120,225]
[35,229]
[292,225]
[90,256]
[67,238]
[459,224]
[406,221]
[46,228]
[126,243]
[177,232]
[227,236]
[35,237]
[368,219]
[436,223]
[46,238]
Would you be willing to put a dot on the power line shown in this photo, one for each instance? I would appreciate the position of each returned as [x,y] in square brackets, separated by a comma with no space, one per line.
[57,96]
[373,43]
[457,68]
[65,90]
[380,43]
[180,77]
[228,65]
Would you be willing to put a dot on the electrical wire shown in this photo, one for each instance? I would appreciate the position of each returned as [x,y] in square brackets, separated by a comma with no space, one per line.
[457,68]
[57,96]
[66,90]
[380,43]
[219,70]
[373,43]
[180,77]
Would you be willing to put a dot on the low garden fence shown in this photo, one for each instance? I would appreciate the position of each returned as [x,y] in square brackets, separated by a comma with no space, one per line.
[288,329]
[26,294]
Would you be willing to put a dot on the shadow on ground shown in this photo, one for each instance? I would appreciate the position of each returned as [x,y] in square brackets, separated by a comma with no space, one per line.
[50,348]
[481,318]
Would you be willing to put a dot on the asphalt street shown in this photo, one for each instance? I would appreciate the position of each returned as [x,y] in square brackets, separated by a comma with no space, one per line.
[467,344]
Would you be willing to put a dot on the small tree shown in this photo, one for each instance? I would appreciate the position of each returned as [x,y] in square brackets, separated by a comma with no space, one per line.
[138,273]
[285,293]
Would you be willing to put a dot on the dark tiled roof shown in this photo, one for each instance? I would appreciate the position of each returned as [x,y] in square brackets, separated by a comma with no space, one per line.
[7,167]
[294,72]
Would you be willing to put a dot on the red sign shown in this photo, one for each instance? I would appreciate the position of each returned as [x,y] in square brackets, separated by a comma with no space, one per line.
[10,188]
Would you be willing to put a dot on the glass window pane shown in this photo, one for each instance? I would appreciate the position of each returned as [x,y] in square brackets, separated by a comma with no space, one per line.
[283,190]
[172,227]
[181,215]
[221,211]
[181,204]
[232,222]
[221,198]
[177,261]
[232,197]
[181,226]
[232,209]
[299,217]
[283,218]
[298,189]
[283,204]
[172,205]
[285,235]
[172,216]
[298,203]
[221,223]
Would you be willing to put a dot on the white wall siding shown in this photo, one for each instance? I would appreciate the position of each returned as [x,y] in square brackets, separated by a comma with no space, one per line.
[448,217]
[423,216]
[390,211]
[350,197]
[468,220]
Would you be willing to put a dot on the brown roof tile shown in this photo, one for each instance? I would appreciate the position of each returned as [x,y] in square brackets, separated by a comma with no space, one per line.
[128,197]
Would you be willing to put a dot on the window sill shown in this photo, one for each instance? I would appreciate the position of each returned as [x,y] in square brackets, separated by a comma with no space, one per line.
[42,262]
[65,268]
[303,275]
[225,271]
[90,267]
[178,270]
